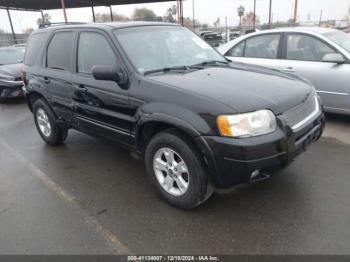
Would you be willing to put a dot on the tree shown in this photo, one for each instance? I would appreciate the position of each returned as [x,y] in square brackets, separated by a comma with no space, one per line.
[248,20]
[170,15]
[240,11]
[205,26]
[106,17]
[144,14]
[217,22]
[47,19]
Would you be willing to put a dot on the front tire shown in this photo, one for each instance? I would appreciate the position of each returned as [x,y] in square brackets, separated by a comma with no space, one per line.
[176,171]
[45,121]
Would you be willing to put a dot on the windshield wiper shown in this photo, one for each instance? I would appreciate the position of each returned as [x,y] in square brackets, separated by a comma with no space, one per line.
[173,68]
[211,62]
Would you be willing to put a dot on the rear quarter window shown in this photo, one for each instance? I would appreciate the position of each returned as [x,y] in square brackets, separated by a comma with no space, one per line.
[35,48]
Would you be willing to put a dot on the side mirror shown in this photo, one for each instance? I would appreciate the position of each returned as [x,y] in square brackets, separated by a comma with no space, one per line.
[333,58]
[110,73]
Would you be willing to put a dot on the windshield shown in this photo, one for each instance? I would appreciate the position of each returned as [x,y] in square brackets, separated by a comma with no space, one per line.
[11,55]
[157,47]
[340,38]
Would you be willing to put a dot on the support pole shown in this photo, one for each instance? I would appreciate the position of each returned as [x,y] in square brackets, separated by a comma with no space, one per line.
[270,14]
[226,30]
[111,11]
[295,12]
[93,12]
[64,10]
[194,20]
[254,17]
[10,20]
[319,24]
[182,12]
[42,16]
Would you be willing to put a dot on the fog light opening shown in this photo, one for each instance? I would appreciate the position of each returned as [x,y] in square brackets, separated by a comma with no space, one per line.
[257,176]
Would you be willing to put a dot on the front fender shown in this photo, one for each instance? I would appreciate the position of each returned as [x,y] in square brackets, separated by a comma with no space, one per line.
[190,122]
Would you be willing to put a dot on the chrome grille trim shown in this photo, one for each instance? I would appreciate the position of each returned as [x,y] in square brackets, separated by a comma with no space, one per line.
[309,117]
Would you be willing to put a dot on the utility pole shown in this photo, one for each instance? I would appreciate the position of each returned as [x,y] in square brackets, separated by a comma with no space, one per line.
[295,11]
[270,14]
[254,17]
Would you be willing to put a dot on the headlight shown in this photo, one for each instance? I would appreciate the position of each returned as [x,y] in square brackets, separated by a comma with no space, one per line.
[246,125]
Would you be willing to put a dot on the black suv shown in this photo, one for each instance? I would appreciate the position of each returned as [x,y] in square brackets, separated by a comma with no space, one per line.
[199,121]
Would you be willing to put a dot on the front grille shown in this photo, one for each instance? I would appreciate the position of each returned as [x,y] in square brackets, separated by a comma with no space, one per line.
[299,113]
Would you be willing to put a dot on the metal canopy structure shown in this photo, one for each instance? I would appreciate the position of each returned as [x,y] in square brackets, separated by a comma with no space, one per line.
[40,5]
[35,5]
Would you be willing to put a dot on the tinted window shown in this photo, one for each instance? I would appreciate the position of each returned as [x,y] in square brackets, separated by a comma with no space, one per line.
[59,52]
[237,51]
[93,50]
[264,46]
[34,48]
[306,48]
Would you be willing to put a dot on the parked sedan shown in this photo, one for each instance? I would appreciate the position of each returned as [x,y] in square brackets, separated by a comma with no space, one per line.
[321,55]
[213,39]
[11,59]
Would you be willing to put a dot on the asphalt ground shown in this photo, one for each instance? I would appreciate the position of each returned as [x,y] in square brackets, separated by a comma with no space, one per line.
[91,197]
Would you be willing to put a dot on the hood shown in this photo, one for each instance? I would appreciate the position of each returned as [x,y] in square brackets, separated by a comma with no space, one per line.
[243,88]
[11,70]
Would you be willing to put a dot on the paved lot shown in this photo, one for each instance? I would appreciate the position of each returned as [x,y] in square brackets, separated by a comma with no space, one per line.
[89,197]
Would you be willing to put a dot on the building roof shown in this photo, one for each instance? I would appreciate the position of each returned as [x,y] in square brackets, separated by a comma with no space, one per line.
[56,4]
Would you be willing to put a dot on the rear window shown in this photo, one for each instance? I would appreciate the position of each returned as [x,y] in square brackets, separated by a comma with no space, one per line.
[34,48]
[59,52]
[12,55]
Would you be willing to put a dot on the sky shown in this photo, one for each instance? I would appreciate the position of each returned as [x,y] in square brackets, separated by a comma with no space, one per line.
[206,11]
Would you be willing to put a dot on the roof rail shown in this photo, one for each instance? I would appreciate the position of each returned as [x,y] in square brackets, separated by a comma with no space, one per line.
[45,25]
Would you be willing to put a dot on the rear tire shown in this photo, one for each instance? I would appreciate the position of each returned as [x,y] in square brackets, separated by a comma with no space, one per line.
[181,181]
[45,121]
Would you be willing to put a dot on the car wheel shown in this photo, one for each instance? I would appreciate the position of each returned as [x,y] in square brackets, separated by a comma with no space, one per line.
[45,121]
[176,170]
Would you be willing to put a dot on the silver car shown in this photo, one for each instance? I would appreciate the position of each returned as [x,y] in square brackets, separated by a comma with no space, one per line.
[321,55]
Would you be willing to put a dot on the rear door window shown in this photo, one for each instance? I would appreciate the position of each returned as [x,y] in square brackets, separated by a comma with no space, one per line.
[237,51]
[60,51]
[262,46]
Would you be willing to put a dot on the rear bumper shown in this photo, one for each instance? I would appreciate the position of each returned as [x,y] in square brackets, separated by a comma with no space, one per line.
[234,160]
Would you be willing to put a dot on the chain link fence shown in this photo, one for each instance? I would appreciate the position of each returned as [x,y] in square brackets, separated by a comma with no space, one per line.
[7,39]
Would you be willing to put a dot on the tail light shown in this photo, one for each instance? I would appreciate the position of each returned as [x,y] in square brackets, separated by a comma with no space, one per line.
[23,76]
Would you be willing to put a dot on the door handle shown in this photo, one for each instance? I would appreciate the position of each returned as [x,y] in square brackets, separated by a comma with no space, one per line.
[47,80]
[289,69]
[80,87]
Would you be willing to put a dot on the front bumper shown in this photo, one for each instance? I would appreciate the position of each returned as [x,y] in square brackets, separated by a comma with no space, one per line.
[234,160]
[11,89]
